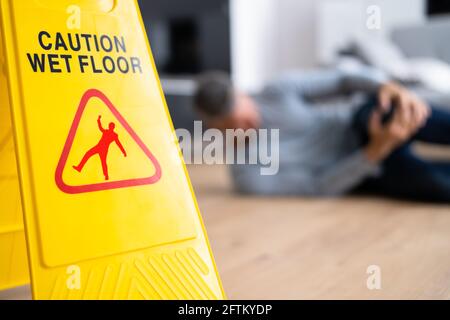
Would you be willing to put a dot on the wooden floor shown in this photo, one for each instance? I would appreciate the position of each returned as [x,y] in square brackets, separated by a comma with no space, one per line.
[292,248]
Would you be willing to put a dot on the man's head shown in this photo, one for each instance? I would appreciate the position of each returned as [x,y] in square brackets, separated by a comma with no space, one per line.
[112,126]
[222,106]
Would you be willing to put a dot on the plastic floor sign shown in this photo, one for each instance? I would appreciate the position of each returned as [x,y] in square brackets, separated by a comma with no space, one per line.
[108,206]
[13,256]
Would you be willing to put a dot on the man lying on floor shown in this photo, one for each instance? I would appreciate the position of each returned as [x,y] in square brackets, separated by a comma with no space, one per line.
[363,142]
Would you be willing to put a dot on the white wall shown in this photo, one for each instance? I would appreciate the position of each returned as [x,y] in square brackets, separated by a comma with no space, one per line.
[253,34]
[270,36]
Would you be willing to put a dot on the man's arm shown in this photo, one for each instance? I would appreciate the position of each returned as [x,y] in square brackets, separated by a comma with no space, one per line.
[99,123]
[121,147]
[346,174]
[409,116]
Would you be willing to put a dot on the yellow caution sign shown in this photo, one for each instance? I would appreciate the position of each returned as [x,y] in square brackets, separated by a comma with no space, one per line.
[109,210]
[13,257]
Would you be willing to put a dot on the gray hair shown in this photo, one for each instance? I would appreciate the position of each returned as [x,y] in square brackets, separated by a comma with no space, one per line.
[215,94]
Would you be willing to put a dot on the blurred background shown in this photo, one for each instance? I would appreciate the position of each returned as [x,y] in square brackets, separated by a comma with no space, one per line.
[302,248]
[255,40]
[299,248]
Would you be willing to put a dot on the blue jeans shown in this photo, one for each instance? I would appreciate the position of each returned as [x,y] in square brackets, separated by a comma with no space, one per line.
[404,174]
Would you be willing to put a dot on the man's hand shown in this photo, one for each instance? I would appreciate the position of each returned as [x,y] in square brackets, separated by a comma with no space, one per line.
[99,117]
[412,107]
[125,154]
[409,116]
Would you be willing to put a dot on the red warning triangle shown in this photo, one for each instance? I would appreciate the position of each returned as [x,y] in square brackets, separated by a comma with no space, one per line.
[108,185]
